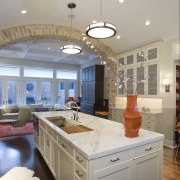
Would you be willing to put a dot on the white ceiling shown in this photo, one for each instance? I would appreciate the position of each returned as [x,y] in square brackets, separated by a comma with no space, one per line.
[129,18]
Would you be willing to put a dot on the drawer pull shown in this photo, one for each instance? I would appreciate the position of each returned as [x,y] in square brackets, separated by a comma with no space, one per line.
[78,159]
[64,146]
[79,174]
[148,149]
[114,160]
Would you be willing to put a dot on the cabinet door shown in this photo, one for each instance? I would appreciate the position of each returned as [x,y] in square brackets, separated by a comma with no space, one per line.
[41,138]
[148,167]
[53,158]
[140,80]
[120,171]
[47,147]
[152,80]
[65,166]
[130,80]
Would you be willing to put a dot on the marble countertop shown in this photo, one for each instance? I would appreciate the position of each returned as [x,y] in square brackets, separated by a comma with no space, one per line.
[106,138]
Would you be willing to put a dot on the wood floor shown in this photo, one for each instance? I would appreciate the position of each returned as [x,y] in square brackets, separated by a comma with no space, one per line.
[21,151]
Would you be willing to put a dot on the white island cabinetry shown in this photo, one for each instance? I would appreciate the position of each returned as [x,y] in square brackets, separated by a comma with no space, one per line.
[102,154]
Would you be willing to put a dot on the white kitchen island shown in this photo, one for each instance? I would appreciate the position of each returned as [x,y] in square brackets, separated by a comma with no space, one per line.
[102,154]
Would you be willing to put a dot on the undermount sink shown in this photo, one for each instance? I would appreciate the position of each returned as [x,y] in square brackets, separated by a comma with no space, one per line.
[60,121]
[68,126]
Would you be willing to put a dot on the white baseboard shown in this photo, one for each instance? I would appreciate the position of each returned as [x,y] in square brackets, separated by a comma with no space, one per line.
[169,143]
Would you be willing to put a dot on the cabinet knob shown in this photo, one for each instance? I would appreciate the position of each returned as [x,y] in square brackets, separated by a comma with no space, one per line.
[114,160]
[148,149]
[78,159]
[79,174]
[63,145]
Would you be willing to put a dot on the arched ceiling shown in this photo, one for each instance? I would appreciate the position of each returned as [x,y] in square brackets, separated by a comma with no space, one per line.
[128,17]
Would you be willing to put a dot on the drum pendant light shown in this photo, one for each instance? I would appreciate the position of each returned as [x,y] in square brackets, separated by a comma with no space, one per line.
[101,30]
[71,49]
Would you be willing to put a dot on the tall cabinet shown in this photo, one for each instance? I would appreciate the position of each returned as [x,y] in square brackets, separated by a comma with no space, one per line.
[92,88]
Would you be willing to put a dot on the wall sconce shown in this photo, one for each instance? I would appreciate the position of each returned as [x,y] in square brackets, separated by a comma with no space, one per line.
[167,85]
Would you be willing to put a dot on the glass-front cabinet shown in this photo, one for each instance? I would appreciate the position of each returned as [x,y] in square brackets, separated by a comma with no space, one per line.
[138,71]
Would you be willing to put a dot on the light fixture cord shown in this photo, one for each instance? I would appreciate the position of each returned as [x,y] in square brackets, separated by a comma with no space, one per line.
[71,22]
[101,10]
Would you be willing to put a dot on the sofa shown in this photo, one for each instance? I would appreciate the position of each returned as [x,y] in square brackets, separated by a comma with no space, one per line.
[9,112]
[12,111]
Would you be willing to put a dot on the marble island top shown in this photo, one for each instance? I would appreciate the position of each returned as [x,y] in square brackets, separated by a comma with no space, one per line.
[106,138]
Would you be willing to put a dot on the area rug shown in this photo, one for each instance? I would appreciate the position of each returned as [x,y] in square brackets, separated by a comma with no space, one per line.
[6,129]
[19,173]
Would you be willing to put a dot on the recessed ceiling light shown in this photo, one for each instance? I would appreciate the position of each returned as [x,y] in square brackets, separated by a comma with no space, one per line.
[121,1]
[24,11]
[147,23]
[118,36]
[94,21]
[48,47]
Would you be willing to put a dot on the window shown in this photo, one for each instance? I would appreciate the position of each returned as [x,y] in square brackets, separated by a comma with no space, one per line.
[38,91]
[9,71]
[38,73]
[60,74]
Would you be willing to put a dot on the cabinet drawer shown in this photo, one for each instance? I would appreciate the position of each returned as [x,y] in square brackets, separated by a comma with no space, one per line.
[65,146]
[146,149]
[42,124]
[81,160]
[149,127]
[50,131]
[150,122]
[149,117]
[80,173]
[112,160]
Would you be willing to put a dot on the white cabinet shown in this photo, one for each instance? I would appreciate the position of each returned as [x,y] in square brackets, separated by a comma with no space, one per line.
[153,171]
[141,163]
[150,156]
[117,172]
[139,71]
[41,140]
[47,146]
[117,115]
[47,149]
[67,163]
[150,121]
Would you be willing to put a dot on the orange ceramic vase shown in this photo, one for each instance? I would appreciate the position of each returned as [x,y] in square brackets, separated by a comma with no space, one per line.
[132,118]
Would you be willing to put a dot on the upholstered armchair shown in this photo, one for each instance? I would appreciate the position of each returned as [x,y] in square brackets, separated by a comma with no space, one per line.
[24,116]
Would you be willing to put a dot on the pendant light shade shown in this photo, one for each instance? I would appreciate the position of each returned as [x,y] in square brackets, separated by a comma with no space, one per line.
[71,49]
[101,30]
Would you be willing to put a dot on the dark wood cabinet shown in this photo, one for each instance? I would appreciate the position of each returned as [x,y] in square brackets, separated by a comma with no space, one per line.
[92,88]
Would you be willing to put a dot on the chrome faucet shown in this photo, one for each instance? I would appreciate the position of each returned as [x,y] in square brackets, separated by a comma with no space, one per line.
[68,105]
